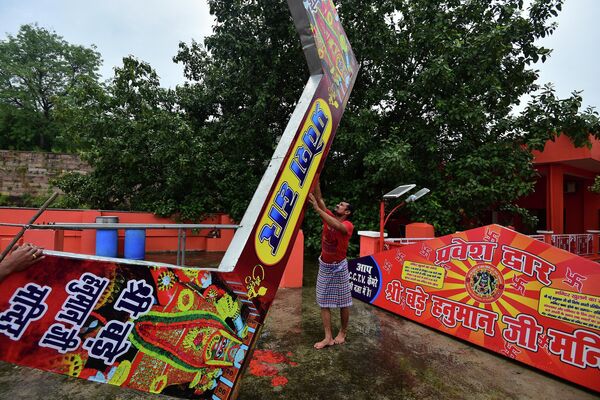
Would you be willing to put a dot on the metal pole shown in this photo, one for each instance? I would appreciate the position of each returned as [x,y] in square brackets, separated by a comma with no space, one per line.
[24,228]
[383,220]
[381,217]
[391,212]
[178,245]
[83,226]
[183,252]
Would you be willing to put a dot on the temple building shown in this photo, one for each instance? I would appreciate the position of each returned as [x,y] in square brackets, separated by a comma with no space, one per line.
[562,200]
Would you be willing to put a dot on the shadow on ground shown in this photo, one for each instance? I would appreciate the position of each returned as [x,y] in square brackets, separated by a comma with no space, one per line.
[385,357]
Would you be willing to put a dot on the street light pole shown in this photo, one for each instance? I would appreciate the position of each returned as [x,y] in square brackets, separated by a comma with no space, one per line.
[394,194]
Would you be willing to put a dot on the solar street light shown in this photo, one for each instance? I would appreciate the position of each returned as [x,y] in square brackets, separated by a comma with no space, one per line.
[394,194]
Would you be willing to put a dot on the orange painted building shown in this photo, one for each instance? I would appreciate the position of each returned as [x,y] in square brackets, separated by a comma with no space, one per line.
[561,199]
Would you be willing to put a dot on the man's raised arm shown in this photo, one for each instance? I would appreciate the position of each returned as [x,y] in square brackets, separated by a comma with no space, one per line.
[319,196]
[328,218]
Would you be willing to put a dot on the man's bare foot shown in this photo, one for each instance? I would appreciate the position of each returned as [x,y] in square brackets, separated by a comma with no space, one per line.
[324,343]
[340,338]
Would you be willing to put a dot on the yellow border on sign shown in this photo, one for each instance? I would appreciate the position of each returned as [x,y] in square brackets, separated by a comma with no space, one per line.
[264,251]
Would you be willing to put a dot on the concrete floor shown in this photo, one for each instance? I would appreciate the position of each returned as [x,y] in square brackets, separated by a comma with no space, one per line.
[385,357]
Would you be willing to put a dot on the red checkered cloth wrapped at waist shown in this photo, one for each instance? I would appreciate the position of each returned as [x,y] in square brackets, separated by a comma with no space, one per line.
[333,285]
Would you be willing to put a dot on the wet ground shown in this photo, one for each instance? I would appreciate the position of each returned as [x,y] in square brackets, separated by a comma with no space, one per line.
[385,357]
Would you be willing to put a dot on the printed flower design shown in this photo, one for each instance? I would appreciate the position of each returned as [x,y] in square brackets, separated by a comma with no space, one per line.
[166,280]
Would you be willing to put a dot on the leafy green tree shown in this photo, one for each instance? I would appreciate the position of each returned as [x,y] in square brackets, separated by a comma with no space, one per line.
[595,188]
[443,92]
[244,84]
[38,67]
[432,103]
[546,117]
[139,144]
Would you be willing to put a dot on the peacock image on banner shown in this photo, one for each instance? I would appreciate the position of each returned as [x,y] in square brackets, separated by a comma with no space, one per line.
[498,289]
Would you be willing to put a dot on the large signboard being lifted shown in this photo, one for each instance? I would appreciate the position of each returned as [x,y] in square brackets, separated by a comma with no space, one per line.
[186,332]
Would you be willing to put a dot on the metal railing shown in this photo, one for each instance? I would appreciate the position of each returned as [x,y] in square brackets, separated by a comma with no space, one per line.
[397,242]
[580,244]
[214,232]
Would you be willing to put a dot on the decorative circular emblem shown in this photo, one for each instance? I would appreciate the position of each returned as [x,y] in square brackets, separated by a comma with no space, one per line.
[484,283]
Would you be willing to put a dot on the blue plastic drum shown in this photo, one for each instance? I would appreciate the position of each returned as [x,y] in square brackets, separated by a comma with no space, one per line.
[135,244]
[107,239]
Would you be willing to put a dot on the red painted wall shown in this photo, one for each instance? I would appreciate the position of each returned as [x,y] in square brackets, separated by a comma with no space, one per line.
[574,206]
[84,242]
[562,149]
[591,212]
[537,199]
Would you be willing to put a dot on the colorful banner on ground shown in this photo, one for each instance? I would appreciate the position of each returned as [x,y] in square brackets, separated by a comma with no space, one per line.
[498,289]
[181,332]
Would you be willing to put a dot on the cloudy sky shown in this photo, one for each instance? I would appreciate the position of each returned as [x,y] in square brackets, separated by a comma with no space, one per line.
[152,29]
[573,64]
[148,29]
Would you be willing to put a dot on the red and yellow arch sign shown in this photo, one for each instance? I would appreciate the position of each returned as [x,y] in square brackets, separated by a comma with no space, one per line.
[280,218]
[498,289]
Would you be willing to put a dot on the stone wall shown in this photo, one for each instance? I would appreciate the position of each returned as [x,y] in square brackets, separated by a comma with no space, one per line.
[24,172]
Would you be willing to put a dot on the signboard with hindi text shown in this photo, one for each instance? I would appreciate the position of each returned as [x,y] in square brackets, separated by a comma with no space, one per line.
[187,332]
[182,332]
[498,289]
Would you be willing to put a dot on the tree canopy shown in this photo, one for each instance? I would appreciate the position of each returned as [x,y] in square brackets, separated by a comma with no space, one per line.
[432,105]
[38,67]
[139,144]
